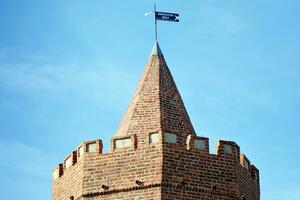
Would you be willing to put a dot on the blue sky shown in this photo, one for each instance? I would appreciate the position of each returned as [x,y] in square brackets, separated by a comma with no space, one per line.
[68,70]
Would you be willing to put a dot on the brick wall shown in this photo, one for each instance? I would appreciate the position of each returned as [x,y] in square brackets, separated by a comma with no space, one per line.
[69,184]
[122,169]
[149,193]
[134,170]
[194,173]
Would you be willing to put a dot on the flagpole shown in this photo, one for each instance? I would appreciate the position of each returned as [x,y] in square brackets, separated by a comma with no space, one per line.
[155,23]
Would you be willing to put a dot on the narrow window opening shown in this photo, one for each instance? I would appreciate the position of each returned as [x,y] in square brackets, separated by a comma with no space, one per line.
[68,162]
[91,147]
[170,138]
[227,148]
[153,137]
[200,144]
[123,142]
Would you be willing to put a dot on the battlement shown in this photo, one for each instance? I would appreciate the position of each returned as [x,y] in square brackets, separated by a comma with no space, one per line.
[162,160]
[89,146]
[120,144]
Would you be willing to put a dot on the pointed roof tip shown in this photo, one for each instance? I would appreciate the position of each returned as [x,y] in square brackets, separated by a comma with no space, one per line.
[156,50]
[158,101]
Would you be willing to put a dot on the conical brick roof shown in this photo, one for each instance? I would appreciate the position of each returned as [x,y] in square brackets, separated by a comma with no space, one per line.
[156,104]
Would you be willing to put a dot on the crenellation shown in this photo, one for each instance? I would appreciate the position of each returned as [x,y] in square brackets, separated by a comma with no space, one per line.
[254,173]
[245,162]
[197,142]
[69,183]
[128,165]
[97,167]
[129,141]
[228,148]
[70,160]
[90,146]
[58,171]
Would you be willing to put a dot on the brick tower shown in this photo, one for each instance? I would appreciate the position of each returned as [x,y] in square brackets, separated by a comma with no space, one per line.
[156,154]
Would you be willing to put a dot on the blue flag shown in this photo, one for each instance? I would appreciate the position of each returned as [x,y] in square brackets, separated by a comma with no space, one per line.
[164,16]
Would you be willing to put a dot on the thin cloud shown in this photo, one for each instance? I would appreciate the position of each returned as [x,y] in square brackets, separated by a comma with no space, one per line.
[25,159]
[34,77]
[220,20]
[26,169]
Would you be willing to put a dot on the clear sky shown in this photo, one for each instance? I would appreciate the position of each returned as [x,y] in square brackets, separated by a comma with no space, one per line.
[68,70]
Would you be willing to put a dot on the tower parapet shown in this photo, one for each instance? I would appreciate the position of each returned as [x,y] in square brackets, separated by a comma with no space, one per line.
[161,164]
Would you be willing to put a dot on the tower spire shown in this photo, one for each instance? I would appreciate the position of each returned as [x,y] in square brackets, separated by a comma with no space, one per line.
[157,104]
[156,50]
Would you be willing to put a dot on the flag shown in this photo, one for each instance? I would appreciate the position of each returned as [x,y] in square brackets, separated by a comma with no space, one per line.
[164,16]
